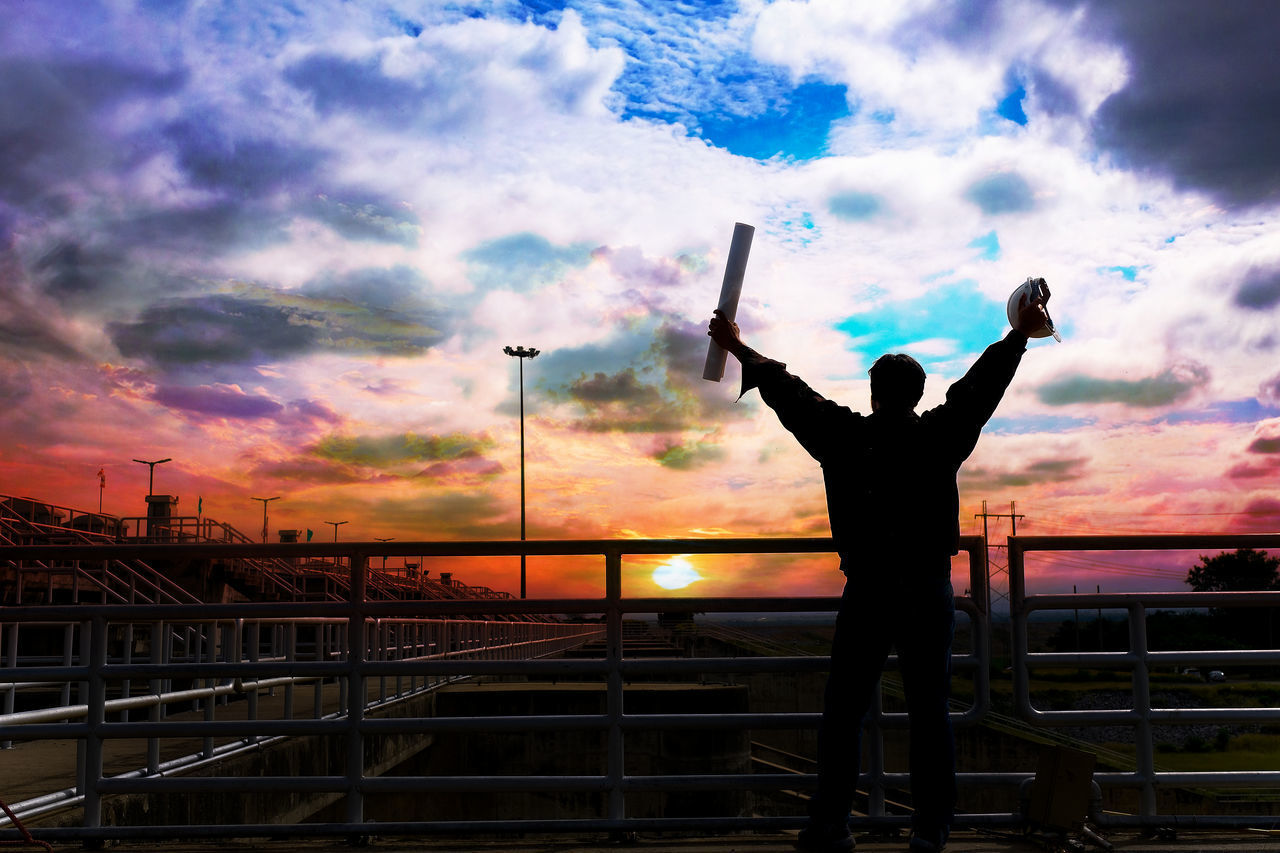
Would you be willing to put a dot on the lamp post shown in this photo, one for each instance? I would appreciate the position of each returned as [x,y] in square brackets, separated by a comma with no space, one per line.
[151,472]
[380,539]
[521,353]
[335,536]
[265,501]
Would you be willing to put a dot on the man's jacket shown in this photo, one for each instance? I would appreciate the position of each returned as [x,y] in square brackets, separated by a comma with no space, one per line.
[890,476]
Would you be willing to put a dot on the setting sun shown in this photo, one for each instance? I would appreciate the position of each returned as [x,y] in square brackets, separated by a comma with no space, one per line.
[675,573]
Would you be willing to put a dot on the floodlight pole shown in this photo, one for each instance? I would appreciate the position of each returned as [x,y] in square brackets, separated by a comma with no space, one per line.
[265,501]
[522,353]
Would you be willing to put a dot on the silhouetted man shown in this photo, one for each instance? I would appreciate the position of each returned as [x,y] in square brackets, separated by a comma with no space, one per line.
[894,510]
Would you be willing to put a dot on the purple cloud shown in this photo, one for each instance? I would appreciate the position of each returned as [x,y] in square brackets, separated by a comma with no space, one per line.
[221,401]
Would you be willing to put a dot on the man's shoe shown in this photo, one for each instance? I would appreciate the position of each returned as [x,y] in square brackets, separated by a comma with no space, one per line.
[825,839]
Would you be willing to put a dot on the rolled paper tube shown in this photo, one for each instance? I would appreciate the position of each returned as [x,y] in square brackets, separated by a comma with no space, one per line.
[730,289]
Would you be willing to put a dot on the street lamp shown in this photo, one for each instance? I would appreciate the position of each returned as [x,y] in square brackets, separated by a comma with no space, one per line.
[335,536]
[380,539]
[265,501]
[521,353]
[151,472]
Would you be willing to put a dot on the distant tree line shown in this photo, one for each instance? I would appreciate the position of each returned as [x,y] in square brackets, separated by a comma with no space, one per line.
[1176,630]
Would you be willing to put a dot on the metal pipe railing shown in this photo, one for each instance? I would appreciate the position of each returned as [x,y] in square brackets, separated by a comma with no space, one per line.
[1139,659]
[368,657]
[357,640]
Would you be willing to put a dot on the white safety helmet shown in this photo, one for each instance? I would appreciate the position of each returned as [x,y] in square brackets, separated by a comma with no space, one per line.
[1031,290]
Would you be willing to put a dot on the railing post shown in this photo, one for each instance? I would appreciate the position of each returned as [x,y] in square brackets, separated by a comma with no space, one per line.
[254,642]
[291,655]
[875,754]
[1018,625]
[11,662]
[97,702]
[157,687]
[1142,705]
[210,704]
[614,693]
[357,645]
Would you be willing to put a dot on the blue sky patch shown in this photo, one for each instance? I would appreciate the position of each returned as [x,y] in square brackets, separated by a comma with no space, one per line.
[522,261]
[854,206]
[1127,273]
[1010,106]
[951,311]
[988,245]
[1006,192]
[1247,411]
[795,126]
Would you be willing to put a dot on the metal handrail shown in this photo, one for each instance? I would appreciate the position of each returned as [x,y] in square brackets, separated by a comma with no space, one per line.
[1139,659]
[360,665]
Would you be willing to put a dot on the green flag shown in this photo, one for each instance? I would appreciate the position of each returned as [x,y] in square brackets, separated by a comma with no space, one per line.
[309,534]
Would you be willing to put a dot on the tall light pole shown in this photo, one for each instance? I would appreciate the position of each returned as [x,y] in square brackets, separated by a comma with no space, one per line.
[521,353]
[265,501]
[151,475]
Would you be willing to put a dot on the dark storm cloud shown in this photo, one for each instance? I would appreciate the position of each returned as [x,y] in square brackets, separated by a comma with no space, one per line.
[242,166]
[374,310]
[1269,391]
[1039,471]
[688,456]
[620,387]
[219,401]
[1267,468]
[359,86]
[660,391]
[378,451]
[1260,289]
[219,329]
[203,230]
[1265,444]
[1201,101]
[54,123]
[1164,388]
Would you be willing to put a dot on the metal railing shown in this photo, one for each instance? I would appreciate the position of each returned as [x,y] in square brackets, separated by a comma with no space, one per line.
[94,669]
[361,664]
[1140,661]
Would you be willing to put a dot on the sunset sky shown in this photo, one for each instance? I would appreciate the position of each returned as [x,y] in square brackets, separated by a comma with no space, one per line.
[285,244]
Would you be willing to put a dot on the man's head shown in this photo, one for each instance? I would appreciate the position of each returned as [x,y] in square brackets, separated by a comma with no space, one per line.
[897,382]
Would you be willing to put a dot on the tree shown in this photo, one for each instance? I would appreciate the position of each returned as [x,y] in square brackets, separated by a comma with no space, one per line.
[1246,569]
[1243,570]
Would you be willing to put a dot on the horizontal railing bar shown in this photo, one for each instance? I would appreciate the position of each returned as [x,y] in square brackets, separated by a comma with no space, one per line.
[461,548]
[1152,600]
[1145,541]
[1127,659]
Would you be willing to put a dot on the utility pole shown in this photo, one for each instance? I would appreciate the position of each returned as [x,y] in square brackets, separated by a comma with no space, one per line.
[993,569]
[265,501]
[522,353]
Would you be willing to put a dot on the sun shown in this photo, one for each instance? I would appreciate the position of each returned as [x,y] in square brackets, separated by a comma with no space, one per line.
[675,573]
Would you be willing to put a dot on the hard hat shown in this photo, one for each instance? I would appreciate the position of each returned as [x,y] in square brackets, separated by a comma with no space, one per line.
[1031,290]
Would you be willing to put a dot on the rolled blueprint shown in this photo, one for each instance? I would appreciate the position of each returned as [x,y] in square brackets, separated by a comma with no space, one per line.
[730,289]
